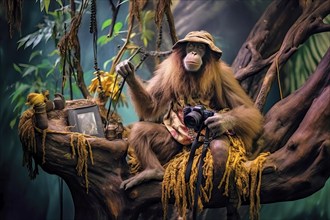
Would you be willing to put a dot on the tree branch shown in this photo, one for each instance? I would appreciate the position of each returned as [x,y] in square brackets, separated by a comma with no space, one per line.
[296,131]
[296,35]
[280,122]
[294,171]
[277,35]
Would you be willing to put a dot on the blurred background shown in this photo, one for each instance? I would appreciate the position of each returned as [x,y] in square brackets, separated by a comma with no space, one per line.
[22,198]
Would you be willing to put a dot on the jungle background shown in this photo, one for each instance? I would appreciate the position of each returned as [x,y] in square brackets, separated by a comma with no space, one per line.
[26,67]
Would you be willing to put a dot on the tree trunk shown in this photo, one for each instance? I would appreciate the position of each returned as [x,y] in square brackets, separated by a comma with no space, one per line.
[297,167]
[296,130]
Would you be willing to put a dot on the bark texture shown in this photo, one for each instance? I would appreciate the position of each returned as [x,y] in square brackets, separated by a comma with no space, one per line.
[296,129]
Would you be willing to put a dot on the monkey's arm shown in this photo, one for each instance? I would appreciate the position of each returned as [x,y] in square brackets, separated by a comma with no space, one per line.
[143,102]
[146,105]
[243,118]
[246,122]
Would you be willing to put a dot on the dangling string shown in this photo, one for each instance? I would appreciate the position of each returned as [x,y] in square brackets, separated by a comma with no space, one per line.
[93,30]
[110,103]
[71,72]
[200,172]
[67,59]
[116,96]
[62,91]
[278,79]
[64,63]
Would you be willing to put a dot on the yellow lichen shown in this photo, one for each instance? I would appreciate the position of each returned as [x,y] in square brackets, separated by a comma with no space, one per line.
[132,161]
[79,145]
[247,179]
[26,133]
[174,182]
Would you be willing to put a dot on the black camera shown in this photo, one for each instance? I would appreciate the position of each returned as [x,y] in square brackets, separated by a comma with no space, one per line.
[194,117]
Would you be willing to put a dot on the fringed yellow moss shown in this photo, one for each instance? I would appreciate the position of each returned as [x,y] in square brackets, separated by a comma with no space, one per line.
[79,146]
[247,179]
[132,161]
[174,182]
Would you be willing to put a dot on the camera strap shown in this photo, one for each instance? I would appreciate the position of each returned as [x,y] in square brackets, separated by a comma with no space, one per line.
[194,146]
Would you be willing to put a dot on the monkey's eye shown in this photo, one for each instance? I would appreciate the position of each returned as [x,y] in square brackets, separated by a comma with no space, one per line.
[198,48]
[190,46]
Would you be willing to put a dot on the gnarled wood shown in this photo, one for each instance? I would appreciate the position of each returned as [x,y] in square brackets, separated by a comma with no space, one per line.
[297,167]
[296,129]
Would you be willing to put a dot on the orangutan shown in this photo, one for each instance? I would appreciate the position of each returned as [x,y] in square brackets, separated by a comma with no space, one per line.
[193,75]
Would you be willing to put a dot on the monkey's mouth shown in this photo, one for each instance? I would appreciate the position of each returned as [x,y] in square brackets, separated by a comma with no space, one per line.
[192,63]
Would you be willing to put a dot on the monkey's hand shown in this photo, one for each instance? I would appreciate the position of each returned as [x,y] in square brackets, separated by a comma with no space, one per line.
[126,70]
[220,124]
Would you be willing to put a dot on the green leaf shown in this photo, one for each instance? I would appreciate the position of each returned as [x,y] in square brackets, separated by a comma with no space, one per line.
[29,70]
[42,5]
[145,42]
[24,65]
[37,40]
[149,34]
[46,3]
[118,27]
[51,71]
[57,61]
[31,40]
[34,54]
[19,104]
[21,88]
[106,23]
[103,40]
[17,68]
[105,64]
[22,41]
[303,63]
[45,64]
[148,16]
[146,36]
[54,52]
[60,3]
[12,123]
[48,36]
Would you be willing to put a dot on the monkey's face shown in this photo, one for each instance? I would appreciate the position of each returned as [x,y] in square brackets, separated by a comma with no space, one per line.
[193,59]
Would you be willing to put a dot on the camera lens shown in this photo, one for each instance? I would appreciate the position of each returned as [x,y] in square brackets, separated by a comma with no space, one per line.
[193,119]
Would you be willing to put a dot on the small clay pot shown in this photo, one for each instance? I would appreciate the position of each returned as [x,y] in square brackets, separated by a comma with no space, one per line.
[49,106]
[111,133]
[40,114]
[59,101]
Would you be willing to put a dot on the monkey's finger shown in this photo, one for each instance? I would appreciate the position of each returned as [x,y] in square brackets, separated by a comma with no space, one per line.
[128,66]
[211,119]
[131,65]
[214,126]
[121,69]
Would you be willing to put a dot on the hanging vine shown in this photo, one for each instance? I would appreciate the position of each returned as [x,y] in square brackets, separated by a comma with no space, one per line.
[70,42]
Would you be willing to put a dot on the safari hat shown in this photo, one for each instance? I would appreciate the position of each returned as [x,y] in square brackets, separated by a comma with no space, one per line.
[200,37]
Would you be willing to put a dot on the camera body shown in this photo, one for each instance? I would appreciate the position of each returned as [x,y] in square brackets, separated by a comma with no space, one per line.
[194,117]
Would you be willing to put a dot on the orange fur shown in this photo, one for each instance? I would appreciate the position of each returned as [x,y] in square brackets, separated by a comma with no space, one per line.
[215,80]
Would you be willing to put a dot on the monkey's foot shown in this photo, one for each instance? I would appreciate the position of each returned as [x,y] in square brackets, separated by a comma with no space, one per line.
[145,175]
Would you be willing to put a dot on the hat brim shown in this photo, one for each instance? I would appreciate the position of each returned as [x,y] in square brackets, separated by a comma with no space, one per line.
[216,51]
